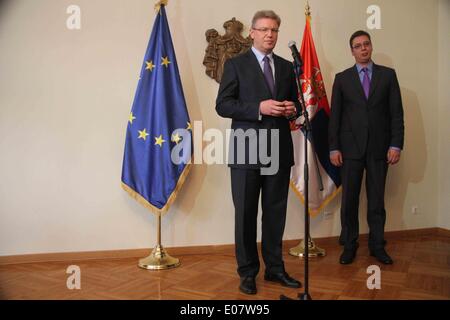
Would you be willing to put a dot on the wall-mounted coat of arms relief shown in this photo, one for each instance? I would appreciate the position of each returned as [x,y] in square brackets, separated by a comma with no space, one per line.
[223,47]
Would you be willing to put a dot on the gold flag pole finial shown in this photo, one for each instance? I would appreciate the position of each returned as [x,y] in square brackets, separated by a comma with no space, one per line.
[160,3]
[307,10]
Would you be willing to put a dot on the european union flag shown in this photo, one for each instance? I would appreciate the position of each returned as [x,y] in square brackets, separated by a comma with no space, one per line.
[158,146]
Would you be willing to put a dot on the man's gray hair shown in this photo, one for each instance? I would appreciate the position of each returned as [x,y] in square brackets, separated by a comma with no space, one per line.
[266,14]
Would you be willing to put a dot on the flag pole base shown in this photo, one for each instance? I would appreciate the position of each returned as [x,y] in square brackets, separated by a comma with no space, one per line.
[313,250]
[159,259]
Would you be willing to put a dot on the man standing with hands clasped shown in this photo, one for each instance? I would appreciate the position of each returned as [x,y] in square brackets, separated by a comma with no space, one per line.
[365,133]
[258,92]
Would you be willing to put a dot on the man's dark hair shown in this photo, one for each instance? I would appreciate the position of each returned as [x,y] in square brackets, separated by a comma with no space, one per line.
[358,34]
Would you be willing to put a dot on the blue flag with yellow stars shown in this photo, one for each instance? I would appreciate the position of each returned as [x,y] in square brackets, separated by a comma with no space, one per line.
[158,145]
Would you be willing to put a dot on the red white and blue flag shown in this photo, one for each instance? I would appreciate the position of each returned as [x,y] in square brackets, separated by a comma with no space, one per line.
[319,112]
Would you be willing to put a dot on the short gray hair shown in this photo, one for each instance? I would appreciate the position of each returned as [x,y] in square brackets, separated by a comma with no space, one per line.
[266,14]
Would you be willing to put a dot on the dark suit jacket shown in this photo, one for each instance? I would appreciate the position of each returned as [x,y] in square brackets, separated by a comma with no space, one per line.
[360,126]
[242,89]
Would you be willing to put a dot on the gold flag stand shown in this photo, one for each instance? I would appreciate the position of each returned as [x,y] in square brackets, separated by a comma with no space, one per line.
[313,250]
[159,259]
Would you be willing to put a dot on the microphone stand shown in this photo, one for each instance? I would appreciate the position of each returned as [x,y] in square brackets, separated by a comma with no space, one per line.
[297,63]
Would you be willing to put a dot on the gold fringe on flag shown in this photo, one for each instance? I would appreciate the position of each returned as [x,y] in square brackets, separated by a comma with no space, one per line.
[169,202]
[315,212]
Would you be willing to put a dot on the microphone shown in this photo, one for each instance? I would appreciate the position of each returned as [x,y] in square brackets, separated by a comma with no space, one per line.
[295,54]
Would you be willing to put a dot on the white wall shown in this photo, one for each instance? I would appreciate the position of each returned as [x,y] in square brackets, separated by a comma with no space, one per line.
[444,114]
[65,97]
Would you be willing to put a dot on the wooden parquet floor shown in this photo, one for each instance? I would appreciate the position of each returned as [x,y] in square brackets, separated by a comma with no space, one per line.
[421,270]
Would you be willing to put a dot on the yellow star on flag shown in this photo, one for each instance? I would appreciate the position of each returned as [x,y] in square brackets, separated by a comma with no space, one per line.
[159,141]
[143,134]
[189,126]
[165,62]
[176,138]
[150,65]
[131,118]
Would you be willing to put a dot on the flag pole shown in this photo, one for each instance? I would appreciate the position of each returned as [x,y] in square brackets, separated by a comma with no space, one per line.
[313,250]
[159,259]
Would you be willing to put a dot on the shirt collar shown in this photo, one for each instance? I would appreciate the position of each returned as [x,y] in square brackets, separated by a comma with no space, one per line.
[369,67]
[260,56]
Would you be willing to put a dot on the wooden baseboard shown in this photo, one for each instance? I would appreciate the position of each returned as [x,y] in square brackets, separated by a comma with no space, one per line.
[443,232]
[227,249]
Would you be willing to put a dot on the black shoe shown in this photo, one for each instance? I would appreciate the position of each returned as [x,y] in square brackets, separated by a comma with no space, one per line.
[347,256]
[248,285]
[283,278]
[382,256]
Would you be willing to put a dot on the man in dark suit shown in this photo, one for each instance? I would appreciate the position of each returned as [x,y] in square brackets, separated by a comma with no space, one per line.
[257,92]
[365,133]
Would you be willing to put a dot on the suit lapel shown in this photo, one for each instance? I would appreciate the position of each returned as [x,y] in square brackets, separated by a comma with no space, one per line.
[375,79]
[253,61]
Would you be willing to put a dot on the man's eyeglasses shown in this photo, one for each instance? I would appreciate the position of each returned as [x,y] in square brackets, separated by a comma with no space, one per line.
[266,30]
[360,45]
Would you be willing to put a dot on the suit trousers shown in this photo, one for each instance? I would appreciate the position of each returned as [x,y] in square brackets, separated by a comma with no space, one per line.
[246,185]
[352,174]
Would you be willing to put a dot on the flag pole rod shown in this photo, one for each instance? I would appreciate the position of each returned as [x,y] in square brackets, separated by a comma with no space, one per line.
[158,231]
[159,259]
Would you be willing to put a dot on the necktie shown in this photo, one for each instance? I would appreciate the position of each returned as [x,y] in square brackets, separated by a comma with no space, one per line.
[366,82]
[268,75]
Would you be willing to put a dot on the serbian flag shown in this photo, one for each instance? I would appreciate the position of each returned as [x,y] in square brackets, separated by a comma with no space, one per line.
[316,102]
